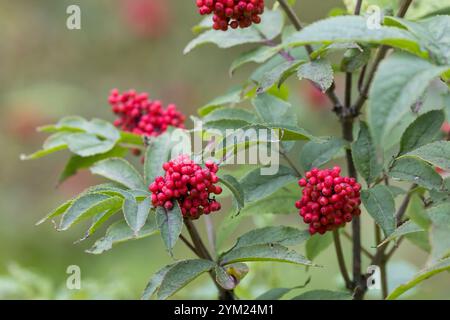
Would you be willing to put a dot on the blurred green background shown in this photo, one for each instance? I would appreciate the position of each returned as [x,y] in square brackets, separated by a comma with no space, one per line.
[48,71]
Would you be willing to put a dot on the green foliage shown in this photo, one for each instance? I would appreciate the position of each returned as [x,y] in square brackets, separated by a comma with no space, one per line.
[318,71]
[317,154]
[170,224]
[172,278]
[400,140]
[399,83]
[380,204]
[120,171]
[436,153]
[346,29]
[365,156]
[317,244]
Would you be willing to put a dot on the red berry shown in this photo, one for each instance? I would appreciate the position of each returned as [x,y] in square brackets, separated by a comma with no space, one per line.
[328,200]
[192,186]
[142,116]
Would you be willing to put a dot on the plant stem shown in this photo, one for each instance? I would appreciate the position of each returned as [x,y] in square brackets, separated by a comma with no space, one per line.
[291,164]
[341,260]
[292,16]
[384,289]
[188,244]
[382,51]
[364,250]
[204,254]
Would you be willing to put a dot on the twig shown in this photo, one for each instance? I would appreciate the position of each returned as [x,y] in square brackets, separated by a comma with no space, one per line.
[188,244]
[210,232]
[364,250]
[331,94]
[291,164]
[382,51]
[204,254]
[341,260]
[384,288]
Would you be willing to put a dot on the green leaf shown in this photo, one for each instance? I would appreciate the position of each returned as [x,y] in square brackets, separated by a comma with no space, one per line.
[180,274]
[316,154]
[86,145]
[427,273]
[270,27]
[440,231]
[433,34]
[423,130]
[257,186]
[406,228]
[263,252]
[353,29]
[120,232]
[317,244]
[99,220]
[277,74]
[235,187]
[120,171]
[230,114]
[323,295]
[416,171]
[155,282]
[57,212]
[54,143]
[380,204]
[136,213]
[400,81]
[355,59]
[280,202]
[131,138]
[436,153]
[416,212]
[157,153]
[299,55]
[365,156]
[271,109]
[233,96]
[278,293]
[257,55]
[170,224]
[286,236]
[76,162]
[318,71]
[87,206]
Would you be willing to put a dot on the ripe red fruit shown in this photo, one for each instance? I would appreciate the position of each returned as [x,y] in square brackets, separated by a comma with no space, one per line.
[142,116]
[232,13]
[189,184]
[328,200]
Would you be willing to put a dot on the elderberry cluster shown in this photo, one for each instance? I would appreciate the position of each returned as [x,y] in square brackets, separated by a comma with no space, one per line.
[328,200]
[190,185]
[140,115]
[232,13]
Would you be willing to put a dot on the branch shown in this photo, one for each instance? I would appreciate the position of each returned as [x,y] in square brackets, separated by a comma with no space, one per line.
[331,94]
[204,254]
[364,250]
[341,260]
[384,286]
[382,51]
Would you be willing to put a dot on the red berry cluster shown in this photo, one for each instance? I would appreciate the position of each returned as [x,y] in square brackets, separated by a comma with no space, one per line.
[189,184]
[142,116]
[233,13]
[329,200]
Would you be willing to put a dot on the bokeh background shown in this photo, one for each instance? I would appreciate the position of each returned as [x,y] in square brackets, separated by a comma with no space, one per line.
[48,71]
